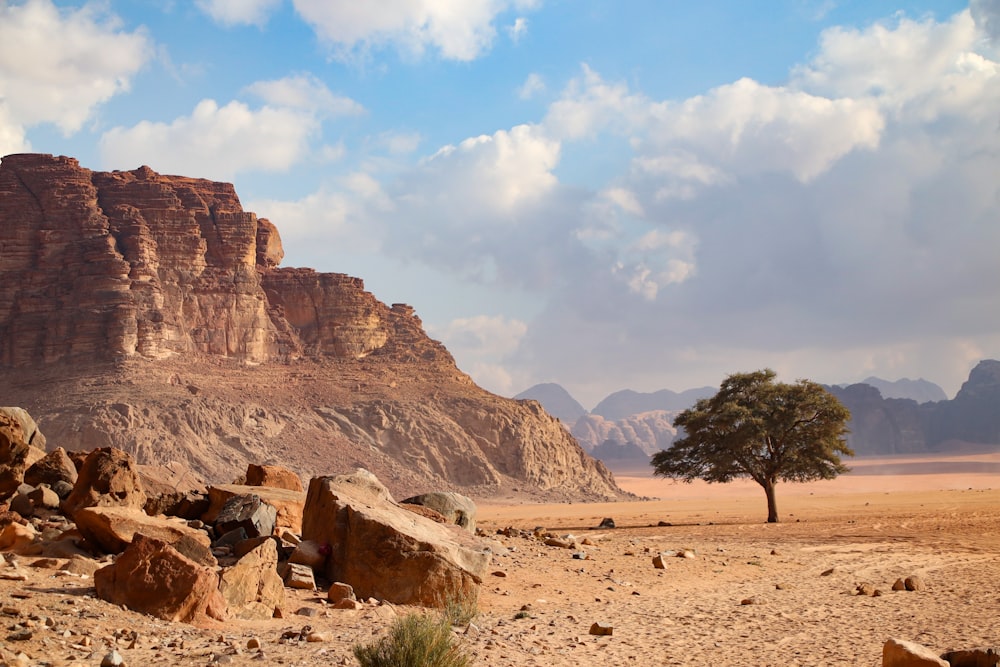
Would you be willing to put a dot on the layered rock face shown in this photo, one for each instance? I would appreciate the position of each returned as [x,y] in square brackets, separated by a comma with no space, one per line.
[149,313]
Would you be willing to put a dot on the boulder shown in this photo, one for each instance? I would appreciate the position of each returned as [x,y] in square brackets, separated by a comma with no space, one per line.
[288,504]
[902,653]
[249,512]
[252,588]
[189,505]
[152,577]
[108,478]
[18,538]
[385,552]
[112,529]
[13,454]
[56,466]
[29,428]
[454,507]
[274,477]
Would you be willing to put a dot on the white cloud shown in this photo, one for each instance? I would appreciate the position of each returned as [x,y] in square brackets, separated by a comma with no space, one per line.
[459,31]
[532,86]
[307,93]
[239,12]
[221,141]
[58,65]
[518,29]
[214,142]
[502,171]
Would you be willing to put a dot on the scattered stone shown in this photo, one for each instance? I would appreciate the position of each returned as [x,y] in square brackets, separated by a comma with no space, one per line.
[559,542]
[580,555]
[113,659]
[253,643]
[660,561]
[499,573]
[607,522]
[664,524]
[296,575]
[748,601]
[601,629]
[340,591]
[899,585]
[865,589]
[902,653]
[827,573]
[914,583]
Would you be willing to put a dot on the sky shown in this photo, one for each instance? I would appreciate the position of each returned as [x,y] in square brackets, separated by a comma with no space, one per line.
[605,194]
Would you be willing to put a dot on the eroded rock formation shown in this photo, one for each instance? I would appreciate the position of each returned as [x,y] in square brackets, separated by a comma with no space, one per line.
[148,313]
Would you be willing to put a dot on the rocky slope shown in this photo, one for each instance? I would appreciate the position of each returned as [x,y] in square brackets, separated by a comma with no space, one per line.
[149,312]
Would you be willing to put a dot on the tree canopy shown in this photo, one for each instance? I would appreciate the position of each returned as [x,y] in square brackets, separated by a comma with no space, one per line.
[762,429]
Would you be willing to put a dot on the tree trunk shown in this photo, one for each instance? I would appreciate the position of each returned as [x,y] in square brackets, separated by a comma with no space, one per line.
[772,505]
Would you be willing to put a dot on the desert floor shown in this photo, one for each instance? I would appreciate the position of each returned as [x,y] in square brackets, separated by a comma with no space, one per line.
[753,594]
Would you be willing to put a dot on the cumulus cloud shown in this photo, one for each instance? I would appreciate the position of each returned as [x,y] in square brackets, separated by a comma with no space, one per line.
[59,65]
[220,141]
[239,12]
[458,31]
[986,14]
[305,92]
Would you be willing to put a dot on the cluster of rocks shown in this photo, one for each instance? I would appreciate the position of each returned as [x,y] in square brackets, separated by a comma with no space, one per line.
[230,551]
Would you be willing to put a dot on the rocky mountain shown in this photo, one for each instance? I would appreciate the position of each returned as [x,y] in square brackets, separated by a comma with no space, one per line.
[149,313]
[887,417]
[557,401]
[921,391]
[625,403]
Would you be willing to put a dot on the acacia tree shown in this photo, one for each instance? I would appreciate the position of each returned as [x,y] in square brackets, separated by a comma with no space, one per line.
[758,428]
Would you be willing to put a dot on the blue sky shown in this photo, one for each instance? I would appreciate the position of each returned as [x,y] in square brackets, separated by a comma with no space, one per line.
[632,194]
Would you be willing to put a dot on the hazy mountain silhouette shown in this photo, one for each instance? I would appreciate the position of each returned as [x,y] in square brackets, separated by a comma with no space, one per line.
[920,390]
[557,401]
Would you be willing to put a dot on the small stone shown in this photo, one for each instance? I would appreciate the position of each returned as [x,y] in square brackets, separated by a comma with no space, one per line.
[317,637]
[914,583]
[827,573]
[601,629]
[253,643]
[899,585]
[607,522]
[499,573]
[113,659]
[748,601]
[659,562]
[865,589]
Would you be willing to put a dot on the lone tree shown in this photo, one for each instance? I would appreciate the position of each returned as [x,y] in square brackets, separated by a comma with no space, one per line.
[758,428]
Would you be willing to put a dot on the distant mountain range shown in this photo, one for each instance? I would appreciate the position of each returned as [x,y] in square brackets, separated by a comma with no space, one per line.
[887,417]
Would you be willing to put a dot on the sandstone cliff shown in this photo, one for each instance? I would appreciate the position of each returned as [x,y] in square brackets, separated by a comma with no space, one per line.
[149,312]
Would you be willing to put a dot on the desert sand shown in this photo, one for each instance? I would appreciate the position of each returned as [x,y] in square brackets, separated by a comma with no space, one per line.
[751,594]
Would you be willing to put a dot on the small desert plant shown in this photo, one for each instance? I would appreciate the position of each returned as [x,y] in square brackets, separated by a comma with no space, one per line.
[461,610]
[415,640]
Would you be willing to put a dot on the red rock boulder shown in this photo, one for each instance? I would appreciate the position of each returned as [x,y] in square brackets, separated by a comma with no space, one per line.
[152,577]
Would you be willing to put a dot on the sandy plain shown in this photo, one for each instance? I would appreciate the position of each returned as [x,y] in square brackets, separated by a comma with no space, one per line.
[753,594]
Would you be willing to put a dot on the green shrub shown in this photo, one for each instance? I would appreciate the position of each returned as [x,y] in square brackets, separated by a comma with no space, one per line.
[415,640]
